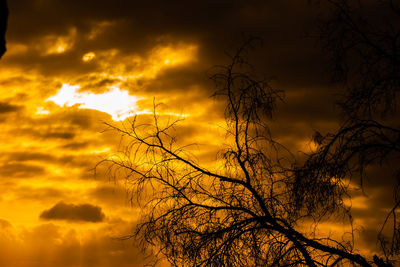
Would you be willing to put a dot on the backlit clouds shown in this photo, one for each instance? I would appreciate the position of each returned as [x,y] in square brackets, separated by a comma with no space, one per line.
[56,44]
[52,245]
[116,102]
[88,56]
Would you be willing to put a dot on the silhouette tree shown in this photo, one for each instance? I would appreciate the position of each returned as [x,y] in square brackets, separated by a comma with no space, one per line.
[3,26]
[363,40]
[241,215]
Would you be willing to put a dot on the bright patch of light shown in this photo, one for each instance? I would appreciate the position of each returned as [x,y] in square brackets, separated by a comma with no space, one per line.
[88,56]
[174,55]
[100,151]
[42,111]
[116,102]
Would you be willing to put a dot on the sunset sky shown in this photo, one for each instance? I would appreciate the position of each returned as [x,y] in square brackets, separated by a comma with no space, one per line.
[72,66]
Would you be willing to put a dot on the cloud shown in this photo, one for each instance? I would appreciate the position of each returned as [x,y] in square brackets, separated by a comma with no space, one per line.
[75,145]
[112,196]
[30,156]
[49,245]
[42,194]
[116,102]
[6,107]
[71,212]
[20,170]
[59,135]
[138,28]
[4,224]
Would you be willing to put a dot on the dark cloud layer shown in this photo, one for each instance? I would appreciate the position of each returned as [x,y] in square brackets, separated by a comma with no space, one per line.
[71,212]
[137,26]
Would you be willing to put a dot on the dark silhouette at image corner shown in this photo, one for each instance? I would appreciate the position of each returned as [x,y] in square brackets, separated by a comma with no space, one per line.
[3,26]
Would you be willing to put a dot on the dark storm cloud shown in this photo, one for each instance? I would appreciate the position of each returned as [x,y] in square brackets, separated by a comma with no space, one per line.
[71,212]
[300,104]
[145,18]
[7,107]
[137,26]
[178,79]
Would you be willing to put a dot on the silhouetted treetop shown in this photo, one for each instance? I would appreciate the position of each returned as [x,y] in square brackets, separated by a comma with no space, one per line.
[243,214]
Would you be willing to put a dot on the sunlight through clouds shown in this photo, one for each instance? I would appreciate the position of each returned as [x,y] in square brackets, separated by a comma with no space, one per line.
[88,57]
[57,44]
[116,102]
